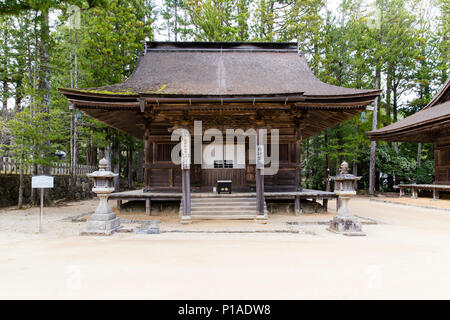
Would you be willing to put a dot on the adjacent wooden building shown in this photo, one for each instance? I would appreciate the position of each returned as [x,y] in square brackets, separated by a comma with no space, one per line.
[226,86]
[430,125]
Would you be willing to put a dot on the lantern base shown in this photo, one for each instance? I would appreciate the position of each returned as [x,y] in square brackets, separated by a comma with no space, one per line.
[346,225]
[102,224]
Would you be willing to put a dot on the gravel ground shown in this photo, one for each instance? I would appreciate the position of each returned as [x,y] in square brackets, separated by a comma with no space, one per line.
[405,255]
[419,202]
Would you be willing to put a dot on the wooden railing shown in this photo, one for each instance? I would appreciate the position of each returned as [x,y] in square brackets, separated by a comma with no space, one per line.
[10,166]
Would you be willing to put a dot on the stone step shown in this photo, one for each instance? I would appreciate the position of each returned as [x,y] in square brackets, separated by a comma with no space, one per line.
[222,195]
[223,212]
[219,204]
[224,217]
[218,209]
[223,206]
[223,199]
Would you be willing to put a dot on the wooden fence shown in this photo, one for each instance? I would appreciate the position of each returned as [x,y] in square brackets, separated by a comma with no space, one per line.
[10,166]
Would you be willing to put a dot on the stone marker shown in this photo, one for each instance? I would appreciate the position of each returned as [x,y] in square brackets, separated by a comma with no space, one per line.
[103,221]
[345,222]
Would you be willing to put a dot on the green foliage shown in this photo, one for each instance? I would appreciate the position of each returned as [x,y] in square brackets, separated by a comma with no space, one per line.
[393,164]
[31,133]
[409,49]
[112,40]
[425,173]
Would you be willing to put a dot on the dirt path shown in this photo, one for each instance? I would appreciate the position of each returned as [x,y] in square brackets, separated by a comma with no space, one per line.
[406,256]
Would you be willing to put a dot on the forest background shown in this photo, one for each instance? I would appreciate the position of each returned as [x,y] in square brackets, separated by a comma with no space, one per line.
[398,46]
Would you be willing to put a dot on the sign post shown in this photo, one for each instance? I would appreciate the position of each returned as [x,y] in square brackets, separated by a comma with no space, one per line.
[41,182]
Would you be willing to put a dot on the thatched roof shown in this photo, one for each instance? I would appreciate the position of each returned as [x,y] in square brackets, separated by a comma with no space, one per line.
[199,69]
[419,126]
[191,75]
[223,69]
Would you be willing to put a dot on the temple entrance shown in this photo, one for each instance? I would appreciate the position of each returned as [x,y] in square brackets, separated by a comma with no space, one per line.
[223,162]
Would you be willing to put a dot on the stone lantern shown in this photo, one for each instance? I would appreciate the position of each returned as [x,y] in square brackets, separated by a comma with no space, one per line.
[345,222]
[103,221]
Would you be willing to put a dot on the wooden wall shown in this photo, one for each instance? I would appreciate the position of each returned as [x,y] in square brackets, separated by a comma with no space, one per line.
[442,161]
[166,175]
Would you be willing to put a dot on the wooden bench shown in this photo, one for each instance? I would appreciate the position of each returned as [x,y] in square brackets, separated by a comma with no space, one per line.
[416,187]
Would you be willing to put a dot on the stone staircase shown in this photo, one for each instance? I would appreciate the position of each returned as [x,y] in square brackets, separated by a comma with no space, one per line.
[227,206]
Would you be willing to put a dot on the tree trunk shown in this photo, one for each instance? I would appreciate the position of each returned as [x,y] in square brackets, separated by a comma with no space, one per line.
[75,117]
[140,166]
[373,144]
[130,166]
[44,83]
[377,181]
[5,100]
[419,154]
[327,157]
[395,113]
[5,64]
[176,21]
[108,157]
[355,159]
[116,158]
[20,200]
[388,94]
[19,95]
[91,153]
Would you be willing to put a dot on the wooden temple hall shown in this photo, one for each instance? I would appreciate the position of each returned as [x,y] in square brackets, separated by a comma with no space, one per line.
[226,86]
[429,125]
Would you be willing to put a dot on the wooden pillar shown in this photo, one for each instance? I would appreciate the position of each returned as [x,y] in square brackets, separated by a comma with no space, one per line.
[186,186]
[415,193]
[325,205]
[148,206]
[435,194]
[298,159]
[259,177]
[298,205]
[148,160]
[186,177]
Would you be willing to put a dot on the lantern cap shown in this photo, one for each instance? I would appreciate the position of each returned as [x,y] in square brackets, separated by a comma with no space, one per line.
[102,172]
[344,175]
[103,164]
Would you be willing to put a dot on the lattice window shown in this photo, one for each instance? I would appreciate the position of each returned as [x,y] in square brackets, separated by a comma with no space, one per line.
[219,164]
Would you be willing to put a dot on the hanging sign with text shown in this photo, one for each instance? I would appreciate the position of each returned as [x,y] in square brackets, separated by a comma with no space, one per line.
[185,151]
[260,156]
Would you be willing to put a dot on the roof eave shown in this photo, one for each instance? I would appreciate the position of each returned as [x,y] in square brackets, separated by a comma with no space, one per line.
[392,135]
